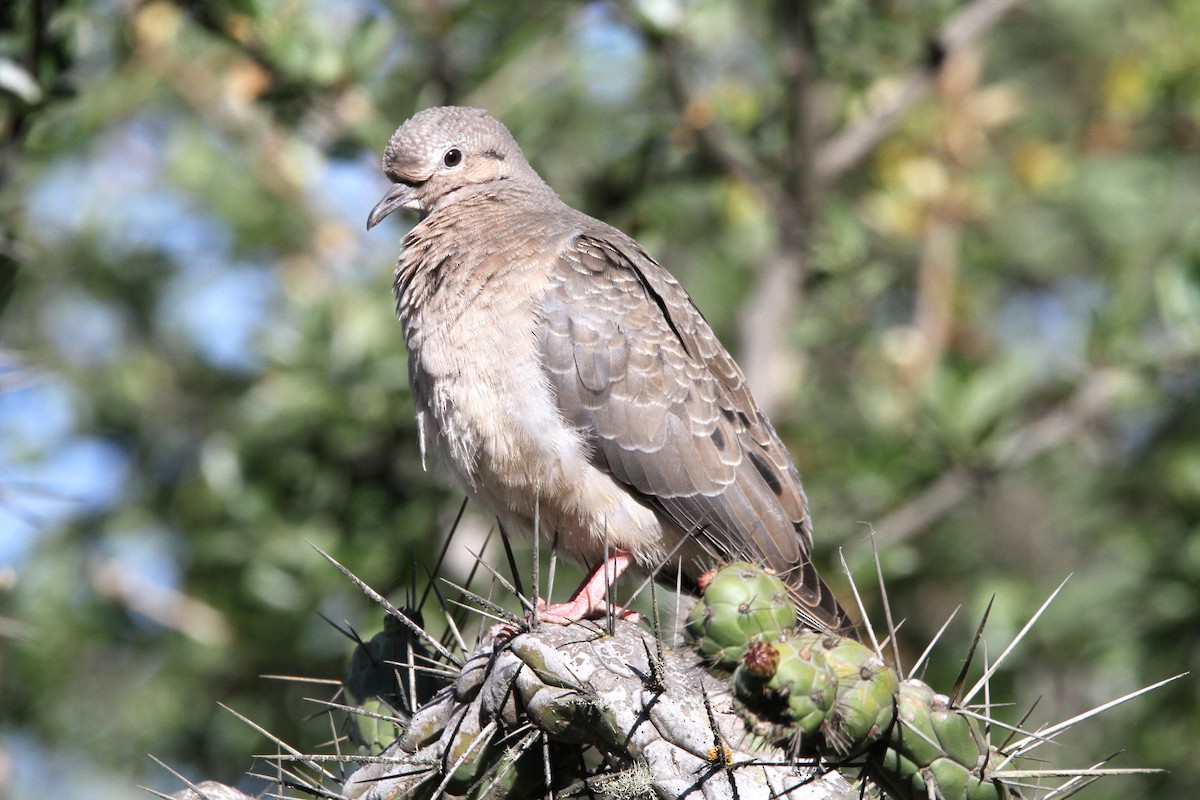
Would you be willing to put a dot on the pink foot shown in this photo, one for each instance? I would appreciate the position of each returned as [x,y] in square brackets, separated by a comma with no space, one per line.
[590,600]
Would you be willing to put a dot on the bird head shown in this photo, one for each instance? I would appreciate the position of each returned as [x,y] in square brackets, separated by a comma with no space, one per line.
[444,154]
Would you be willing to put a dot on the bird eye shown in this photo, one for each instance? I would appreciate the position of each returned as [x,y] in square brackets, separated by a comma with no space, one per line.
[452,158]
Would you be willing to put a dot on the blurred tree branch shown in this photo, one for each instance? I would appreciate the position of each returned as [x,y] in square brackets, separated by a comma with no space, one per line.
[789,181]
[724,146]
[772,365]
[848,148]
[42,56]
[1091,401]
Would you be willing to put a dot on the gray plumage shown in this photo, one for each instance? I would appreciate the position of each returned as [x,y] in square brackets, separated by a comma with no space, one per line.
[559,370]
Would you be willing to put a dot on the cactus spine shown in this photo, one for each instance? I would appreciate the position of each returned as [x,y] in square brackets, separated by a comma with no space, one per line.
[827,695]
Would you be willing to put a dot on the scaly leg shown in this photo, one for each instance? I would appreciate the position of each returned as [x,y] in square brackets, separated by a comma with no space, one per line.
[590,600]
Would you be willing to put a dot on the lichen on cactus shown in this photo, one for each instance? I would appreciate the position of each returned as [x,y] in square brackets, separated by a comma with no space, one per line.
[741,603]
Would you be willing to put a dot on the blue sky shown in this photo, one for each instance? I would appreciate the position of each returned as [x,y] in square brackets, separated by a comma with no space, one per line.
[215,304]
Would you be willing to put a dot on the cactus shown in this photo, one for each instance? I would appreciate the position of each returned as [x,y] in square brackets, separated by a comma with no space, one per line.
[374,683]
[785,688]
[832,696]
[741,603]
[609,711]
[656,717]
[935,744]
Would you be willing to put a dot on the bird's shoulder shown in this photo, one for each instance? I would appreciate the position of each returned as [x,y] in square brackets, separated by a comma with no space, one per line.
[625,330]
[634,365]
[603,278]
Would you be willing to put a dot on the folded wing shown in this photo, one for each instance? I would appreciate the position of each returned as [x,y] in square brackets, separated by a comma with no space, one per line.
[666,411]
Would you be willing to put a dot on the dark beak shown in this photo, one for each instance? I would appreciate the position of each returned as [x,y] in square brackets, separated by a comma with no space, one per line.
[395,198]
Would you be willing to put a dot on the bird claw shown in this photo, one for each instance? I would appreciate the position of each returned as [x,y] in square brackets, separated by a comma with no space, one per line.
[577,609]
[581,607]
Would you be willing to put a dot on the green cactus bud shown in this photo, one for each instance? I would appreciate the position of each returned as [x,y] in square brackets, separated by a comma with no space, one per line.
[761,660]
[958,734]
[895,769]
[949,778]
[914,736]
[954,781]
[990,789]
[741,602]
[934,744]
[799,692]
[371,733]
[866,696]
[829,695]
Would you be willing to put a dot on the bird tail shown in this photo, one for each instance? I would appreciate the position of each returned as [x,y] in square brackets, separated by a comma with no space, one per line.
[818,607]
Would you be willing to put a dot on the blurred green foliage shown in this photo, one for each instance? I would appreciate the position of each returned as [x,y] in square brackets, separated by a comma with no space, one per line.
[990,344]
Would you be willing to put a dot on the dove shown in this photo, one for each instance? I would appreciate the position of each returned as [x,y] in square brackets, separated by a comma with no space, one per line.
[572,386]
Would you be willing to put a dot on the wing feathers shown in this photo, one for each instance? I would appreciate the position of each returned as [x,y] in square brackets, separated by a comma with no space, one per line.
[635,367]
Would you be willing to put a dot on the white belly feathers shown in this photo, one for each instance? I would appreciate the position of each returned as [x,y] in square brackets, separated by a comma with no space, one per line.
[494,420]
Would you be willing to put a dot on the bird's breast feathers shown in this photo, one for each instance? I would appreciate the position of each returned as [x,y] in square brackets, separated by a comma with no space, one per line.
[484,402]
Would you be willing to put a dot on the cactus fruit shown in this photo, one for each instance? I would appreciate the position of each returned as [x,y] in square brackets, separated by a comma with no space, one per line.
[826,694]
[795,696]
[741,603]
